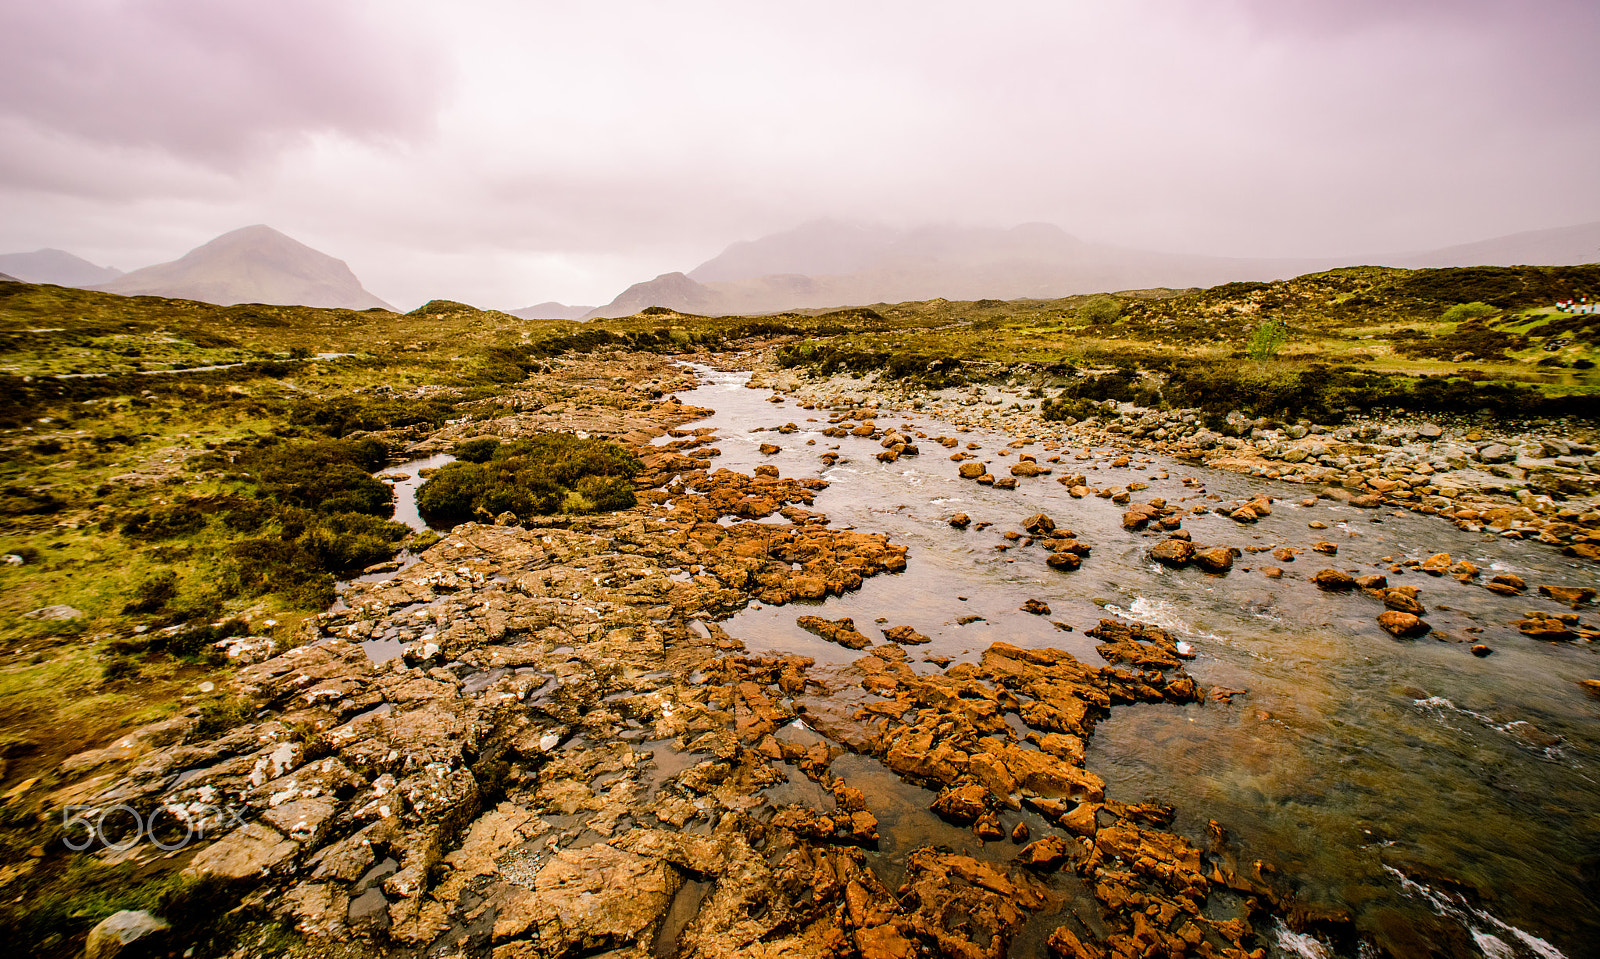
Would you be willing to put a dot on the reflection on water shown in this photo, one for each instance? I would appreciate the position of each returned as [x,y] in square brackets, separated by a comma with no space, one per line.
[405,491]
[1351,760]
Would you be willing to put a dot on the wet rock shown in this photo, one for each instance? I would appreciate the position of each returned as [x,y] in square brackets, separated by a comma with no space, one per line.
[1437,565]
[1574,596]
[1404,625]
[961,805]
[1591,686]
[1020,833]
[961,521]
[1546,628]
[1039,524]
[1373,581]
[1065,944]
[971,470]
[1036,607]
[905,636]
[1173,552]
[1334,580]
[1064,561]
[1403,599]
[1216,559]
[1045,855]
[1506,584]
[1481,650]
[988,828]
[840,631]
[1327,548]
[1134,520]
[590,899]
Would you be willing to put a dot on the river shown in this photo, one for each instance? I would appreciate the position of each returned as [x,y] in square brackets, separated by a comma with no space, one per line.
[1373,773]
[1448,802]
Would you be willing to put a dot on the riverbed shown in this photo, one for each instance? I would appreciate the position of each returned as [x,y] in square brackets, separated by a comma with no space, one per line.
[1428,791]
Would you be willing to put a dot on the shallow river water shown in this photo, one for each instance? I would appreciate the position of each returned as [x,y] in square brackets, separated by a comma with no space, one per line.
[1378,775]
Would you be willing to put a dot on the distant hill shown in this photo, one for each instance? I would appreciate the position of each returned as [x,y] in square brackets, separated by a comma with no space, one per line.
[8,278]
[830,263]
[255,264]
[552,311]
[55,266]
[877,265]
[1563,246]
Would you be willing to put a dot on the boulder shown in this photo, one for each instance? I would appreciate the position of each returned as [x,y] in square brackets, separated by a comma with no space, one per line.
[1217,559]
[119,930]
[1401,624]
[1173,552]
[1573,596]
[1039,524]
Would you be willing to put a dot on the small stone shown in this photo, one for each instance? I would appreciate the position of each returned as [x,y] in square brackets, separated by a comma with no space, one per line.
[1481,650]
[961,521]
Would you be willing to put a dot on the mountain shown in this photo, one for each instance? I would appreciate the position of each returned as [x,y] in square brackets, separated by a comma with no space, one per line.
[8,278]
[830,263]
[818,247]
[878,265]
[255,264]
[668,289]
[55,266]
[551,311]
[1562,246]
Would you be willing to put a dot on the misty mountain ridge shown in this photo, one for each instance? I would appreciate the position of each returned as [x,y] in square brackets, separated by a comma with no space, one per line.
[254,264]
[831,263]
[55,266]
[551,311]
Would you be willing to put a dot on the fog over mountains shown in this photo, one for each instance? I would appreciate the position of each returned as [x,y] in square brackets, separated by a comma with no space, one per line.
[817,265]
[830,263]
[55,266]
[254,264]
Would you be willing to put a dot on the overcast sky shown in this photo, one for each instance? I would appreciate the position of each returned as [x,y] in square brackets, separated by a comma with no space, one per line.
[505,153]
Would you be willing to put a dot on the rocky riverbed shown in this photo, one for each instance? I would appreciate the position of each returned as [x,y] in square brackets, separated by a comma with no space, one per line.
[656,732]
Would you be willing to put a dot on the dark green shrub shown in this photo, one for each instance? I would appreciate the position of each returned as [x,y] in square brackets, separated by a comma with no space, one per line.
[329,476]
[163,522]
[1101,309]
[1467,311]
[477,450]
[153,592]
[550,473]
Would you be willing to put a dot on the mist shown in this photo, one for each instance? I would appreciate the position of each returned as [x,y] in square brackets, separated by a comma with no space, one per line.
[505,153]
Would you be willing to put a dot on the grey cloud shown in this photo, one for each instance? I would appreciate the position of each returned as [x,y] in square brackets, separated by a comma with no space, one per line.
[212,81]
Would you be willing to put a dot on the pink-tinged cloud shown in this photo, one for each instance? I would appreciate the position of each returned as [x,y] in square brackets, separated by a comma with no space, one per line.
[215,82]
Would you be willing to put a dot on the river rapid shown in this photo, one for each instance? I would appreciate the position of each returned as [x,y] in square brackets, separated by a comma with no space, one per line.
[1448,802]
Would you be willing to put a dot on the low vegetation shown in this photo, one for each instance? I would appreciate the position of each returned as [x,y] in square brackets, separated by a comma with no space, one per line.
[549,473]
